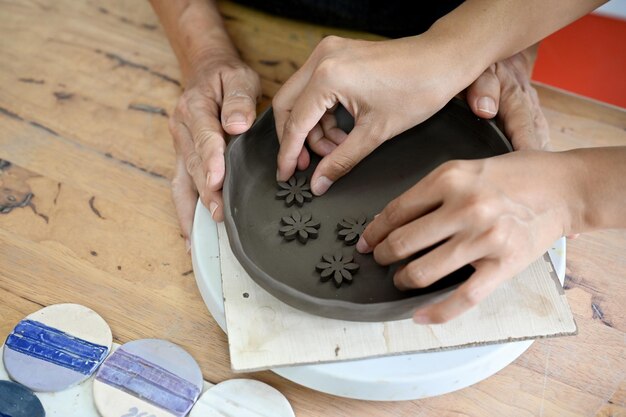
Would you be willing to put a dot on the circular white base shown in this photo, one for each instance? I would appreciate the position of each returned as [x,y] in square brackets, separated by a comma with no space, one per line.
[393,378]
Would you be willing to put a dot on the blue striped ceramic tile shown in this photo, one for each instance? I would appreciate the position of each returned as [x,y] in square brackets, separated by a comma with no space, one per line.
[52,345]
[150,382]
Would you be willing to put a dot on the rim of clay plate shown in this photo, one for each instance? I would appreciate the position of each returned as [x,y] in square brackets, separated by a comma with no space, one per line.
[329,308]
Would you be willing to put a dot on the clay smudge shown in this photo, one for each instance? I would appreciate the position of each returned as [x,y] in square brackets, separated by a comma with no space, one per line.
[123,62]
[119,267]
[149,26]
[337,349]
[11,114]
[34,209]
[16,192]
[58,192]
[148,109]
[42,127]
[103,10]
[4,164]
[246,295]
[187,273]
[132,165]
[93,253]
[31,81]
[63,95]
[598,313]
[93,207]
[142,169]
[13,203]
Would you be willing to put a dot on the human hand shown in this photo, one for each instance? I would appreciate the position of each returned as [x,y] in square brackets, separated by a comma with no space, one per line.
[504,89]
[497,214]
[386,86]
[220,97]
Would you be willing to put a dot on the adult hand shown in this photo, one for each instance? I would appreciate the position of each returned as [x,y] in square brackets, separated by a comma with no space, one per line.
[220,97]
[504,89]
[497,214]
[387,87]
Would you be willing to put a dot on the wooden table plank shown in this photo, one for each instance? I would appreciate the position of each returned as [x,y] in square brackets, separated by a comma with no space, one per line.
[101,185]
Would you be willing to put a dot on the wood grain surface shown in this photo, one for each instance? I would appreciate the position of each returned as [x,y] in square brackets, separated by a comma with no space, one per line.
[85,90]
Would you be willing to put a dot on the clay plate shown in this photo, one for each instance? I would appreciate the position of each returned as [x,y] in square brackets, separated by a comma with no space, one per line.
[286,269]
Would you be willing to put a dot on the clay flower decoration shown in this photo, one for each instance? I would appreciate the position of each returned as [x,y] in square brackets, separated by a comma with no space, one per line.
[351,229]
[295,190]
[338,266]
[300,226]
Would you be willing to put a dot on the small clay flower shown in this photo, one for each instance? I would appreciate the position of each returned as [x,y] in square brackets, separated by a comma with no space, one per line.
[300,226]
[338,266]
[295,190]
[351,229]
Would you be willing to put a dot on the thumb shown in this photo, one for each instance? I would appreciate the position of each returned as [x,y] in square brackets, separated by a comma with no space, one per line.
[239,105]
[483,95]
[359,143]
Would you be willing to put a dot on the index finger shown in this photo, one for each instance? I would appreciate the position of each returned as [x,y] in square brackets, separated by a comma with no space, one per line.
[417,201]
[307,111]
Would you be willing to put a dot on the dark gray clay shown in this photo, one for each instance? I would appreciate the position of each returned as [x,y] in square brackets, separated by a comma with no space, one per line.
[299,226]
[337,266]
[286,269]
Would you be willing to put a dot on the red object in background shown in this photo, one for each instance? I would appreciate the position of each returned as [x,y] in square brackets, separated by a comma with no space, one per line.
[587,57]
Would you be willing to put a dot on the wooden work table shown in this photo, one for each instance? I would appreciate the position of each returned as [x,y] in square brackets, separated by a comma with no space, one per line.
[85,91]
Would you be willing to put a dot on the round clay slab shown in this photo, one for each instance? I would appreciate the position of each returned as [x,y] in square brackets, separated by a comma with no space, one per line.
[18,401]
[287,268]
[150,376]
[57,347]
[242,398]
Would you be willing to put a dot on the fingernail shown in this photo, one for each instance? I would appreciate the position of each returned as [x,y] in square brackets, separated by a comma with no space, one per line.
[235,118]
[362,246]
[487,105]
[321,185]
[208,179]
[187,245]
[213,207]
[421,318]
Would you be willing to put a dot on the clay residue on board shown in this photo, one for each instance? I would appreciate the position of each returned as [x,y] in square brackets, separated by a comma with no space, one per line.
[14,189]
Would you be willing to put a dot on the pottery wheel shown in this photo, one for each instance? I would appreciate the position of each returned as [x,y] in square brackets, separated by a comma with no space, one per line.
[287,268]
[392,378]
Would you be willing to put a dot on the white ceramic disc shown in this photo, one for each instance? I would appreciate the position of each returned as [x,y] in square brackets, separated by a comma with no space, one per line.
[56,347]
[393,378]
[147,378]
[242,398]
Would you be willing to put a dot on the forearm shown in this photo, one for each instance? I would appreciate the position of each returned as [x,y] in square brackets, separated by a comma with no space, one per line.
[481,32]
[195,30]
[600,175]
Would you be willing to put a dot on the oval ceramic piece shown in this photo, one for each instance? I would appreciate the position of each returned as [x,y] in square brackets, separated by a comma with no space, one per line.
[147,378]
[287,270]
[242,398]
[56,347]
[18,401]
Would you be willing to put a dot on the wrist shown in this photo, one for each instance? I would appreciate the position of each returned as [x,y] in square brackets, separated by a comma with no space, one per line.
[204,39]
[569,177]
[464,52]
